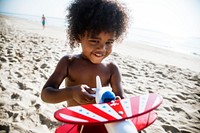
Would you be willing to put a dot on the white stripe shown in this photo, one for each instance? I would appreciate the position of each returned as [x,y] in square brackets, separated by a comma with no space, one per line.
[126,104]
[156,102]
[108,110]
[143,103]
[68,117]
[85,112]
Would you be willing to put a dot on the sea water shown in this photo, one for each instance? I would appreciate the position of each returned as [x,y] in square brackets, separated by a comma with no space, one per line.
[186,45]
[50,21]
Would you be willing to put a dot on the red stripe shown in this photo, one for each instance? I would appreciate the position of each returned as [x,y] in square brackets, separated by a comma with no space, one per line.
[74,114]
[99,112]
[144,121]
[118,108]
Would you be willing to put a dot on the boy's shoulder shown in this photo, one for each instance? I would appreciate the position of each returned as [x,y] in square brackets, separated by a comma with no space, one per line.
[70,57]
[67,59]
[110,64]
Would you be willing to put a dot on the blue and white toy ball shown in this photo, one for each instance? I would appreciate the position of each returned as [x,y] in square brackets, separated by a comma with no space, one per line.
[108,96]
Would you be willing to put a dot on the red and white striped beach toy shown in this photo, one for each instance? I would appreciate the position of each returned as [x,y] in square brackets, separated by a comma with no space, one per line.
[139,108]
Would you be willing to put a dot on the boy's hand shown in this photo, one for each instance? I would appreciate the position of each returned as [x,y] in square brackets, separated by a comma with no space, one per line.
[117,97]
[82,94]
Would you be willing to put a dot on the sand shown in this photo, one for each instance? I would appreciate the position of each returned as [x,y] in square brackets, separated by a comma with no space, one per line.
[28,55]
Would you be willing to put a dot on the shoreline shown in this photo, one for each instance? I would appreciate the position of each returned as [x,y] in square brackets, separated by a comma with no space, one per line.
[29,55]
[36,27]
[159,55]
[128,48]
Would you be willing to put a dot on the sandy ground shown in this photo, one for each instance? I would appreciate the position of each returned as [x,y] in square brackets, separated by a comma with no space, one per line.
[28,55]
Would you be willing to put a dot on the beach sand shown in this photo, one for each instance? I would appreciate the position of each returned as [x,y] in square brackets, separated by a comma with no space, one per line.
[29,54]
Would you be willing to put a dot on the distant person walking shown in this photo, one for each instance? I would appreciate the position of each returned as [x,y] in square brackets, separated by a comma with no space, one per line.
[43,21]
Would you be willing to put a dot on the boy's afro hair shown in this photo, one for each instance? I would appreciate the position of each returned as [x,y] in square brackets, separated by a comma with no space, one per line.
[95,16]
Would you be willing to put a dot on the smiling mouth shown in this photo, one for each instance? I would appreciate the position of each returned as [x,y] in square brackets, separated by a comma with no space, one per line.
[99,55]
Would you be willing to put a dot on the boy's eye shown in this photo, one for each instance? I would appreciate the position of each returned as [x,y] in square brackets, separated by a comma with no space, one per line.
[110,43]
[94,41]
[91,40]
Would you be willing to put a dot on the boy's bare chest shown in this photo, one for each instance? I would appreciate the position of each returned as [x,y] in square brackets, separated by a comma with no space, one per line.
[86,74]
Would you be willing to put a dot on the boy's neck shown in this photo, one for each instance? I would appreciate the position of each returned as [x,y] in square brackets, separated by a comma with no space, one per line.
[82,56]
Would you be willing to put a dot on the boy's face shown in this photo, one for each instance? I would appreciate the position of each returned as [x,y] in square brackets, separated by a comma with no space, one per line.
[97,47]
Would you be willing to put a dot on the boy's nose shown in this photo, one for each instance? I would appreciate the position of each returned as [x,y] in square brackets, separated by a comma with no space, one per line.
[102,46]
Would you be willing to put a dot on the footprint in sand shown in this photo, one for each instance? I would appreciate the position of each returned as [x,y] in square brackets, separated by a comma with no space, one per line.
[15,96]
[3,60]
[180,96]
[171,129]
[185,131]
[35,104]
[177,109]
[4,128]
[2,87]
[19,75]
[16,107]
[126,75]
[46,121]
[43,66]
[22,86]
[163,120]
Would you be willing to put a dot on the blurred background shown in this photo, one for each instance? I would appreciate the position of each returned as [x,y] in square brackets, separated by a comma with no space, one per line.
[169,24]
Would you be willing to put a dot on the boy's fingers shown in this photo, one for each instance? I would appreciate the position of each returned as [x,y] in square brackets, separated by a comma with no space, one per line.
[91,90]
[88,94]
[118,98]
[90,99]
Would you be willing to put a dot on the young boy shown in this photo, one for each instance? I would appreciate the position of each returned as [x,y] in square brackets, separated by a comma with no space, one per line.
[94,25]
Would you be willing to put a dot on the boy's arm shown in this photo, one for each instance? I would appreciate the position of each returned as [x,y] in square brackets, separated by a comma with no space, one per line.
[116,81]
[52,94]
